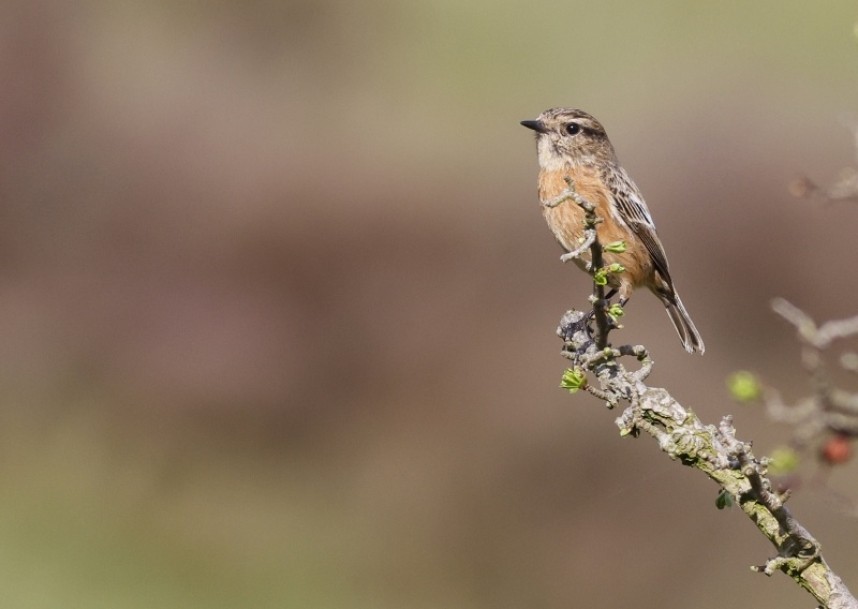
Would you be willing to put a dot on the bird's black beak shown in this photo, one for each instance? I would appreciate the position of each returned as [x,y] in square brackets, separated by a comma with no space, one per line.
[537,126]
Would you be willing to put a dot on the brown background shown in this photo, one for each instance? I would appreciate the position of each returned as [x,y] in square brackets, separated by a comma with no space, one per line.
[277,305]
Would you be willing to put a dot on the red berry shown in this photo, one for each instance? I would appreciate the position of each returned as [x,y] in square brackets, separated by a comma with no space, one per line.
[836,450]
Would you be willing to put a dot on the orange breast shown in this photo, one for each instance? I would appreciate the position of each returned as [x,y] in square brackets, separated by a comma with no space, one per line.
[566,221]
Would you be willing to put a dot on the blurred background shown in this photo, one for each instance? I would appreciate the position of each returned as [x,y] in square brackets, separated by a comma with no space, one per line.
[278,302]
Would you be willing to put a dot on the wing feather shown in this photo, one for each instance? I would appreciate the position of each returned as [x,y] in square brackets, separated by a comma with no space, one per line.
[634,212]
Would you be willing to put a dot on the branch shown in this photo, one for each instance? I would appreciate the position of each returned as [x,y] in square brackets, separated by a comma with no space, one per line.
[715,451]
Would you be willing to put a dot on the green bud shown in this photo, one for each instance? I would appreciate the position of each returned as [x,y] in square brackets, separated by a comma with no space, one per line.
[724,500]
[616,247]
[600,277]
[573,380]
[616,311]
[616,268]
[744,386]
[783,460]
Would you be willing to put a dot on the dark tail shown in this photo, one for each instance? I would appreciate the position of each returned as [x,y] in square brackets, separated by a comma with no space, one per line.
[688,334]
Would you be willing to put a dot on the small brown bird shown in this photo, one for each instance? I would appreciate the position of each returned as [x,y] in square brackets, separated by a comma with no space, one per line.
[572,144]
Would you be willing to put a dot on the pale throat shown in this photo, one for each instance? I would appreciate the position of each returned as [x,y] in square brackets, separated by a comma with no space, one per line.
[552,160]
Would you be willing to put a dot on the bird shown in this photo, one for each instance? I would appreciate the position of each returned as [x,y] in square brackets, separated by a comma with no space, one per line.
[572,145]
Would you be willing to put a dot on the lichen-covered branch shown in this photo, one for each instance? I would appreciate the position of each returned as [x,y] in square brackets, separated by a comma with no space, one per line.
[599,369]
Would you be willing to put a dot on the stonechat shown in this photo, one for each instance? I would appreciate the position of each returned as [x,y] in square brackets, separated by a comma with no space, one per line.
[571,144]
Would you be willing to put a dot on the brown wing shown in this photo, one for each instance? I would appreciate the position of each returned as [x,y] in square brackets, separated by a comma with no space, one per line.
[634,212]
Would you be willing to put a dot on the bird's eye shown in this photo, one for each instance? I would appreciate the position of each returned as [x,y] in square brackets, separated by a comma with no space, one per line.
[573,128]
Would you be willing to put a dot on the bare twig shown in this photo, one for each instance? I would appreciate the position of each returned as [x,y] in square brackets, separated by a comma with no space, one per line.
[819,337]
[830,409]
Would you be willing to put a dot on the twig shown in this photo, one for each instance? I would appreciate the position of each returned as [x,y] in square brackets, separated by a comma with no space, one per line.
[829,409]
[819,337]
